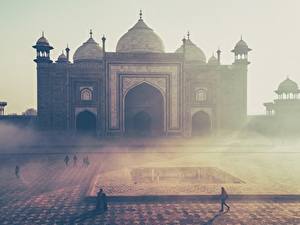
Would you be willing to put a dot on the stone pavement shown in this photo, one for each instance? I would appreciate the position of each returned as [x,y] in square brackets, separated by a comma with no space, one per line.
[50,193]
[65,207]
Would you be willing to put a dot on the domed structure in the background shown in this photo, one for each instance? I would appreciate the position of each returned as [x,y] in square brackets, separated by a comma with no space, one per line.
[89,50]
[192,52]
[140,38]
[62,58]
[213,60]
[286,107]
[287,86]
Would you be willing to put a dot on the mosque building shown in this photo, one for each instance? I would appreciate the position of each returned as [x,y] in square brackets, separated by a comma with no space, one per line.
[140,89]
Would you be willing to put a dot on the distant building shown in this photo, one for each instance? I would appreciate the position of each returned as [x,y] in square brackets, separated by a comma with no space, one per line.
[24,120]
[30,112]
[285,110]
[140,89]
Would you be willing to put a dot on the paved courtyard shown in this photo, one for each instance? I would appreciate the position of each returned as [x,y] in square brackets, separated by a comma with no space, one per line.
[48,192]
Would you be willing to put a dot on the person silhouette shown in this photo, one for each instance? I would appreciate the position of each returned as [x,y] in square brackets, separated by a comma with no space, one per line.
[101,201]
[17,171]
[66,160]
[74,160]
[223,198]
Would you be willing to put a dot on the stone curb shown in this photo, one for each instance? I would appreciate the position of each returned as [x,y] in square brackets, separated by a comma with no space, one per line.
[199,198]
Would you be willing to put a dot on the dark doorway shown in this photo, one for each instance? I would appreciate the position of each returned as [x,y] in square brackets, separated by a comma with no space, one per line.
[201,124]
[144,111]
[142,123]
[86,123]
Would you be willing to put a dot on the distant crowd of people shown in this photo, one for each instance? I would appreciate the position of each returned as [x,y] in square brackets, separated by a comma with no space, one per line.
[85,161]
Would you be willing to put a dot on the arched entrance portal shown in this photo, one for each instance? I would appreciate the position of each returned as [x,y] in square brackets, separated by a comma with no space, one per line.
[201,124]
[86,123]
[144,111]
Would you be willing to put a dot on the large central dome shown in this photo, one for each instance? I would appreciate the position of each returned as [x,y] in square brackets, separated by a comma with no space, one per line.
[140,38]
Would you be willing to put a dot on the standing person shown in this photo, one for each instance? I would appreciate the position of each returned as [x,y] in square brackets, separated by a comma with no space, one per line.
[17,171]
[224,197]
[84,162]
[75,160]
[87,161]
[101,201]
[66,160]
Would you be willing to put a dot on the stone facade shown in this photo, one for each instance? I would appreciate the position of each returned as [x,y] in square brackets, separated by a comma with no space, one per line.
[91,92]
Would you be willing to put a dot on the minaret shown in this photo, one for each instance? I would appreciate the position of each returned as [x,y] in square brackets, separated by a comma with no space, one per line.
[219,55]
[68,52]
[103,43]
[43,49]
[44,82]
[240,69]
[183,44]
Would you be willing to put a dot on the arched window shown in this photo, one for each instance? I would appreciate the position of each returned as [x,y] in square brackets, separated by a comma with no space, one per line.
[200,95]
[86,94]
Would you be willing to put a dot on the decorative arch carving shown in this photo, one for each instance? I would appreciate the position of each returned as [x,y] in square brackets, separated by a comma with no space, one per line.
[86,94]
[165,77]
[159,83]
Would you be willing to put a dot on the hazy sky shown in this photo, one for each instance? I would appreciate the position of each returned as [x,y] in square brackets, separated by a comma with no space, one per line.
[271,29]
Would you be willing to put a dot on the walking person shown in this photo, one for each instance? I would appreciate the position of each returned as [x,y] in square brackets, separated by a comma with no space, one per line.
[75,161]
[223,198]
[17,171]
[66,160]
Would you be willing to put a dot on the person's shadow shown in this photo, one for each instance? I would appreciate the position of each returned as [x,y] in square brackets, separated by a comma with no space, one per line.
[210,221]
[87,215]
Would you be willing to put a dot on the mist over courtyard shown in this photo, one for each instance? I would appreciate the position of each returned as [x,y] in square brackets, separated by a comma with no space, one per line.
[254,169]
[149,113]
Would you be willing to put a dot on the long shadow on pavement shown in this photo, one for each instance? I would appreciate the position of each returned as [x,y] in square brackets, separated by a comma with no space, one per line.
[210,222]
[87,215]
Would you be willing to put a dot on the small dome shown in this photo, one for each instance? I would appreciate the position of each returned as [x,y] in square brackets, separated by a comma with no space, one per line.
[62,58]
[213,60]
[140,38]
[89,50]
[42,41]
[287,86]
[241,47]
[192,52]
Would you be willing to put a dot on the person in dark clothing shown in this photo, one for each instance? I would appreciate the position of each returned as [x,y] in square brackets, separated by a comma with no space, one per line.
[66,160]
[84,161]
[17,171]
[87,161]
[101,204]
[75,160]
[223,198]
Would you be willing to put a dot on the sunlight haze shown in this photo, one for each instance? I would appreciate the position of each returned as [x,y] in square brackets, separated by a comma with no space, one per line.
[270,28]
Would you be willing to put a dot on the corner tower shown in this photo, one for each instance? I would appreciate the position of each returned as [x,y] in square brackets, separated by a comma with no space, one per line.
[239,82]
[44,66]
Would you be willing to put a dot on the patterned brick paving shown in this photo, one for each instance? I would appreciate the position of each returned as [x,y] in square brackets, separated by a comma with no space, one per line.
[49,193]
